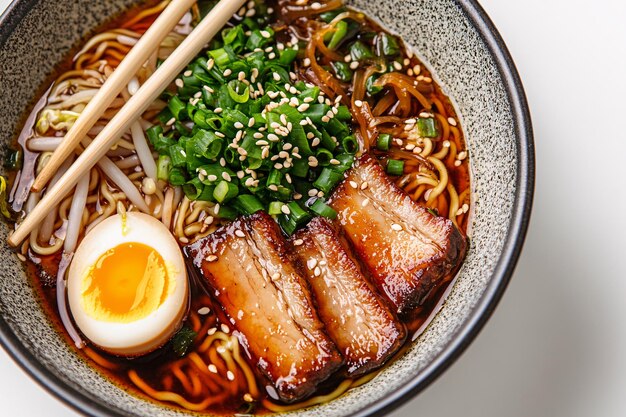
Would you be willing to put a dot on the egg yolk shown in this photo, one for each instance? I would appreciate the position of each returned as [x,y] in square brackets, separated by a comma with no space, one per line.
[127,283]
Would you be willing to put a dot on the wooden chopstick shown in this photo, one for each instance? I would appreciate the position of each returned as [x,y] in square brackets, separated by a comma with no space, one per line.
[136,105]
[118,80]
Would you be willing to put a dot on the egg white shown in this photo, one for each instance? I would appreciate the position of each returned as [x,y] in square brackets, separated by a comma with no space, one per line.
[146,334]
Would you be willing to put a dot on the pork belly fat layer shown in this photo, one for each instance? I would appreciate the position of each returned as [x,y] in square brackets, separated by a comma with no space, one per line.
[356,318]
[406,249]
[268,305]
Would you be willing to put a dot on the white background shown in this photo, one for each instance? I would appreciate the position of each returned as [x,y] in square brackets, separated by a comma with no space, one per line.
[556,345]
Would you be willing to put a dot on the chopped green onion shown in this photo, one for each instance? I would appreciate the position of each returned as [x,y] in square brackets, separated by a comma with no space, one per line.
[247,204]
[176,106]
[275,208]
[350,144]
[323,156]
[427,127]
[341,29]
[395,167]
[383,142]
[342,71]
[327,180]
[324,210]
[386,45]
[227,213]
[238,91]
[164,165]
[359,51]
[220,56]
[177,176]
[225,191]
[182,341]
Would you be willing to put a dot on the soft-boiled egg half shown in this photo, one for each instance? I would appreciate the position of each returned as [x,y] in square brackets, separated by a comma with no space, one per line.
[127,285]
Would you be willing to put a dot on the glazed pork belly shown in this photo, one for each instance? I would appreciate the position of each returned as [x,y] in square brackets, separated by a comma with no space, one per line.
[406,249]
[249,272]
[356,318]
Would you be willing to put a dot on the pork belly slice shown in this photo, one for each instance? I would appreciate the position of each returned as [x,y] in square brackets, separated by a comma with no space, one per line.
[406,249]
[356,318]
[250,274]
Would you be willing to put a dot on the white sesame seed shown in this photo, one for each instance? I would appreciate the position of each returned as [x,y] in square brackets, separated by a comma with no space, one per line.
[334,161]
[459,212]
[278,165]
[242,152]
[226,176]
[465,208]
[358,103]
[272,55]
[227,72]
[183,239]
[261,143]
[179,83]
[462,155]
[272,187]
[265,34]
[451,121]
[272,137]
[223,162]
[354,65]
[397,65]
[311,263]
[298,242]
[354,185]
[317,271]
[410,147]
[315,142]
[230,376]
[211,258]
[171,121]
[276,76]
[446,144]
[217,110]
[410,121]
[213,368]
[225,328]
[365,202]
[239,233]
[364,185]
[238,125]
[325,119]
[312,192]
[204,311]
[285,209]
[396,227]
[303,107]
[276,276]
[212,177]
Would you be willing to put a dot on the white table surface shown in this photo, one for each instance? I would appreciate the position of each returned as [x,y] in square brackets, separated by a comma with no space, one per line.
[556,344]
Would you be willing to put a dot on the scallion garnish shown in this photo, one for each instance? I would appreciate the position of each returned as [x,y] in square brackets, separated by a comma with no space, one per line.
[395,167]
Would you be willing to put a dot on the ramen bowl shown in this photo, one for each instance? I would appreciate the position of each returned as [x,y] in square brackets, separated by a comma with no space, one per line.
[468,58]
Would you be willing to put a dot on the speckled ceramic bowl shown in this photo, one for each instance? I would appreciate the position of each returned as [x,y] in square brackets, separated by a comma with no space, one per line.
[460,44]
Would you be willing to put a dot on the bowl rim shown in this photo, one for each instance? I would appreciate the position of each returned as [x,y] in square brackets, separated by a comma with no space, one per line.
[482,311]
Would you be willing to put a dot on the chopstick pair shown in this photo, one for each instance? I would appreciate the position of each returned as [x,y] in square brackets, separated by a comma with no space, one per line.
[132,110]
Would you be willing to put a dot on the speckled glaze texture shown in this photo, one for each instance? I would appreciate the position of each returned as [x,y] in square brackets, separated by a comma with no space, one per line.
[36,35]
